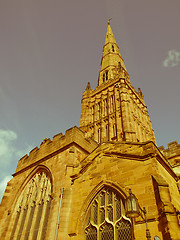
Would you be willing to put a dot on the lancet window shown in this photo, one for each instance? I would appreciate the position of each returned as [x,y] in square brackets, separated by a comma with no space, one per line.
[105,102]
[106,75]
[99,135]
[112,103]
[107,132]
[32,209]
[92,113]
[99,110]
[103,77]
[114,130]
[106,218]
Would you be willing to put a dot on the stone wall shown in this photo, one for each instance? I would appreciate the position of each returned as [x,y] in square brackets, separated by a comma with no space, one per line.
[124,166]
[58,159]
[172,153]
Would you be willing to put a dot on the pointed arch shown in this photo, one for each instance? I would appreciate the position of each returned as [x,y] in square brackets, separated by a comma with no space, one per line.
[124,229]
[32,205]
[91,232]
[106,216]
[86,207]
[102,184]
[37,169]
[106,231]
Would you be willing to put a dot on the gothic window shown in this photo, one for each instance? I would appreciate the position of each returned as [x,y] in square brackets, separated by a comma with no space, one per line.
[114,130]
[113,48]
[106,75]
[99,135]
[92,113]
[103,77]
[123,229]
[105,106]
[107,132]
[99,110]
[32,209]
[112,103]
[105,219]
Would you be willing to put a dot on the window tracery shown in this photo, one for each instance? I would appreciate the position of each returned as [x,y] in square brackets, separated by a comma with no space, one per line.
[32,209]
[106,218]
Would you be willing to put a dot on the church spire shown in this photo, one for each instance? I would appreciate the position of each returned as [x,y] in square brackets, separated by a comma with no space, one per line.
[111,58]
[114,111]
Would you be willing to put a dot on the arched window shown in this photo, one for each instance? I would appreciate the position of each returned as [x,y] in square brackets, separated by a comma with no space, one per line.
[99,135]
[114,130]
[106,218]
[105,102]
[32,209]
[112,103]
[99,110]
[103,77]
[106,75]
[92,113]
[107,132]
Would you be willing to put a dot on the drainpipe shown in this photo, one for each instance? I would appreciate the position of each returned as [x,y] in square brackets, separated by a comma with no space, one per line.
[60,203]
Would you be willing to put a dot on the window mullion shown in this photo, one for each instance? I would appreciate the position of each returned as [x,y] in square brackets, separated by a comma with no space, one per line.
[91,214]
[106,210]
[109,223]
[114,207]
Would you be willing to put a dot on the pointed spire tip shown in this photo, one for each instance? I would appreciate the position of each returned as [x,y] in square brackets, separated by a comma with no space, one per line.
[109,21]
[88,87]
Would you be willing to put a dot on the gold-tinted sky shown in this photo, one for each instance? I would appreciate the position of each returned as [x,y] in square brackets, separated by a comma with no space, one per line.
[50,49]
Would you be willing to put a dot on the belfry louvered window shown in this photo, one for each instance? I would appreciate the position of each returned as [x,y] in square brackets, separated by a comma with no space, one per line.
[32,209]
[106,218]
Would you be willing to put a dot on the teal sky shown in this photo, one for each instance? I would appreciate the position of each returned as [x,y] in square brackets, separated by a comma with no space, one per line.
[50,49]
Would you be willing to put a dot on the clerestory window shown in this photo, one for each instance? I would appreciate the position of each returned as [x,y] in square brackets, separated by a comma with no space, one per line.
[106,218]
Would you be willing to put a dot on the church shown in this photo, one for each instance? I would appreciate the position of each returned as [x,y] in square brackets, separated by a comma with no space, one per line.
[103,180]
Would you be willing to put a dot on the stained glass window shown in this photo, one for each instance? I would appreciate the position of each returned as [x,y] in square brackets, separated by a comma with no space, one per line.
[105,220]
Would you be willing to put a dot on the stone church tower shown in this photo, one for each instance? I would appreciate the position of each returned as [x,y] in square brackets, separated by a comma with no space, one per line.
[76,186]
[114,110]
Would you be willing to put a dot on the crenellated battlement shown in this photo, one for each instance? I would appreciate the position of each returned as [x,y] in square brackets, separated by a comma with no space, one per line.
[49,148]
[77,185]
[172,153]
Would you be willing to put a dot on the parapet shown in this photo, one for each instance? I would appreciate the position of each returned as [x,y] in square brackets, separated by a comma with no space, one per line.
[48,148]
[172,153]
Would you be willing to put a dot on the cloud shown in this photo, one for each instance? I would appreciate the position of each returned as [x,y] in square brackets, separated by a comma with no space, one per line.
[173,59]
[7,151]
[7,137]
[3,184]
[9,155]
[21,153]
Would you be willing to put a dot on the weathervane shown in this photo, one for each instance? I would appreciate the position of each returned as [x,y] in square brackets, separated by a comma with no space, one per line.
[109,20]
